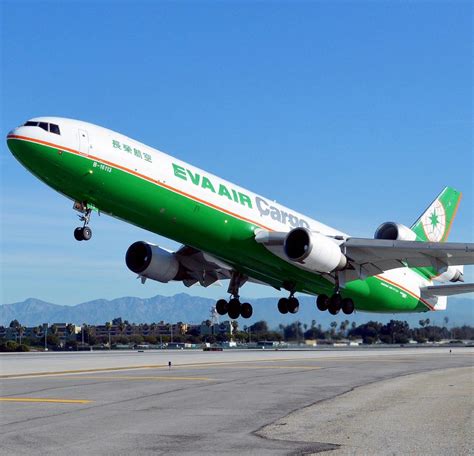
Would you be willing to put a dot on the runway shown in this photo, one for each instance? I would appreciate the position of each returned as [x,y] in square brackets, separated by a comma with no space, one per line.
[364,401]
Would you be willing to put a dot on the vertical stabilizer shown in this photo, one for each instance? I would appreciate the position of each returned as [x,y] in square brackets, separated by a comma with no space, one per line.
[435,223]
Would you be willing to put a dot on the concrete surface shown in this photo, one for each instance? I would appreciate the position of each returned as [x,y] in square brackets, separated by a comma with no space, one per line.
[215,403]
[429,413]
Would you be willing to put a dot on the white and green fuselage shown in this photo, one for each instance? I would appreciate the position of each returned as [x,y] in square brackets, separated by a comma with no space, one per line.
[155,191]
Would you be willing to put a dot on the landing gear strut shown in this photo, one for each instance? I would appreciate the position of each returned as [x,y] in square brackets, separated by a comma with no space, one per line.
[234,308]
[83,233]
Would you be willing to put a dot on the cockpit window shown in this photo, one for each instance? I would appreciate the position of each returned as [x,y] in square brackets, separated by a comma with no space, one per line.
[52,128]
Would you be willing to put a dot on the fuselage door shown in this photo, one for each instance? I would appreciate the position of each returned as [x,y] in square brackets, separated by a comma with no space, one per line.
[83,142]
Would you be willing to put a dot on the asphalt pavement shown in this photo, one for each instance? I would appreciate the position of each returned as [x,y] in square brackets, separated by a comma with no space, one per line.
[238,402]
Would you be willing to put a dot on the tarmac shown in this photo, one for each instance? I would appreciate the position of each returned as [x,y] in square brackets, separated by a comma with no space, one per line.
[264,402]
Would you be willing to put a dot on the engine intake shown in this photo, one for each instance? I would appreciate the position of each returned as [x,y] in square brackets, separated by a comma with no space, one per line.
[152,262]
[313,250]
[394,232]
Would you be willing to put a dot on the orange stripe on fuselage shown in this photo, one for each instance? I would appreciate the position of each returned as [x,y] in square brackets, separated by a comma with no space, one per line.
[142,176]
[405,289]
[173,189]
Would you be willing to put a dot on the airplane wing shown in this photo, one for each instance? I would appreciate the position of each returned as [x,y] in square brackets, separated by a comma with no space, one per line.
[369,257]
[373,256]
[447,290]
[200,267]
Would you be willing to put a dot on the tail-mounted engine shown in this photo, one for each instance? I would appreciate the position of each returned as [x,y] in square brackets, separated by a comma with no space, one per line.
[152,262]
[394,232]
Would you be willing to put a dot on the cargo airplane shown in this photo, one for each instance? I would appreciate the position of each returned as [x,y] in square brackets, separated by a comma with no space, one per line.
[229,232]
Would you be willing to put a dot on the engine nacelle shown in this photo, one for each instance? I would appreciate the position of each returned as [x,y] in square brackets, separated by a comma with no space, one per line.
[394,232]
[452,274]
[315,251]
[152,262]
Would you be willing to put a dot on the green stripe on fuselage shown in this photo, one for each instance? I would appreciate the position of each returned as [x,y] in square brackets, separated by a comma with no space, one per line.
[162,211]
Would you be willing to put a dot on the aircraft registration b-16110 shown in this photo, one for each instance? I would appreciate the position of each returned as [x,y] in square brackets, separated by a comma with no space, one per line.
[228,232]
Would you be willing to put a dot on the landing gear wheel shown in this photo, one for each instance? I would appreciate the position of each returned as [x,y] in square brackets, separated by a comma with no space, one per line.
[293,305]
[283,305]
[221,306]
[246,310]
[335,304]
[86,233]
[233,308]
[78,234]
[347,306]
[322,302]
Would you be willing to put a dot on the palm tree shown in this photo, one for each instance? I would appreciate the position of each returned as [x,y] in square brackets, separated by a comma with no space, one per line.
[84,329]
[446,321]
[235,325]
[70,329]
[122,325]
[21,330]
[108,327]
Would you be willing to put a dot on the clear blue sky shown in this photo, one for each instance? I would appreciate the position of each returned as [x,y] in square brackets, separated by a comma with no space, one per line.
[353,113]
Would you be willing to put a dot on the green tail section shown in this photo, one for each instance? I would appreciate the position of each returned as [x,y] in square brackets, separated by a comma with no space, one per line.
[435,223]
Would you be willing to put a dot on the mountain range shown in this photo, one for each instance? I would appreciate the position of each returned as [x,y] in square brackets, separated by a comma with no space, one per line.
[194,309]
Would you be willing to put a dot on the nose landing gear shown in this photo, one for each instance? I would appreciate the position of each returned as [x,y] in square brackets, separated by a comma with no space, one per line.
[83,233]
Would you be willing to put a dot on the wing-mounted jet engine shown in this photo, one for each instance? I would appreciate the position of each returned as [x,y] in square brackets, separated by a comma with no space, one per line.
[150,261]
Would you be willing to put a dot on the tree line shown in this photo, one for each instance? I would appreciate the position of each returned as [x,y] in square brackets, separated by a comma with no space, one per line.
[393,332]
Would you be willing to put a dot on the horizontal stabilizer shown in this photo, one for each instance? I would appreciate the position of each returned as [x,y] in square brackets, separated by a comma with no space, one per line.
[447,290]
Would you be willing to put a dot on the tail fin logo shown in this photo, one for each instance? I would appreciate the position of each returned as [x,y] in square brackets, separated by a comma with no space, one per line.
[434,222]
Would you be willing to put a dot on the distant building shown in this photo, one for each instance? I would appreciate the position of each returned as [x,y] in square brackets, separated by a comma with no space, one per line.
[213,330]
[122,328]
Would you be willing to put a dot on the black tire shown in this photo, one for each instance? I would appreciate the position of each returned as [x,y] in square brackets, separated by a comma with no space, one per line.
[322,302]
[78,234]
[86,233]
[293,305]
[347,306]
[333,311]
[233,309]
[283,305]
[221,306]
[246,310]
[334,305]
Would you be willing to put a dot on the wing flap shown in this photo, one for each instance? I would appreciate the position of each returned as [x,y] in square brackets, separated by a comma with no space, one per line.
[388,254]
[200,267]
[447,290]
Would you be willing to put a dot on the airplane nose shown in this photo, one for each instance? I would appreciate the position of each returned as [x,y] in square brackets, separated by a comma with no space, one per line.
[19,147]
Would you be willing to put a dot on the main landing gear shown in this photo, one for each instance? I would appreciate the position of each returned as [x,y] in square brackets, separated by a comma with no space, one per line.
[234,308]
[335,304]
[288,305]
[83,233]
